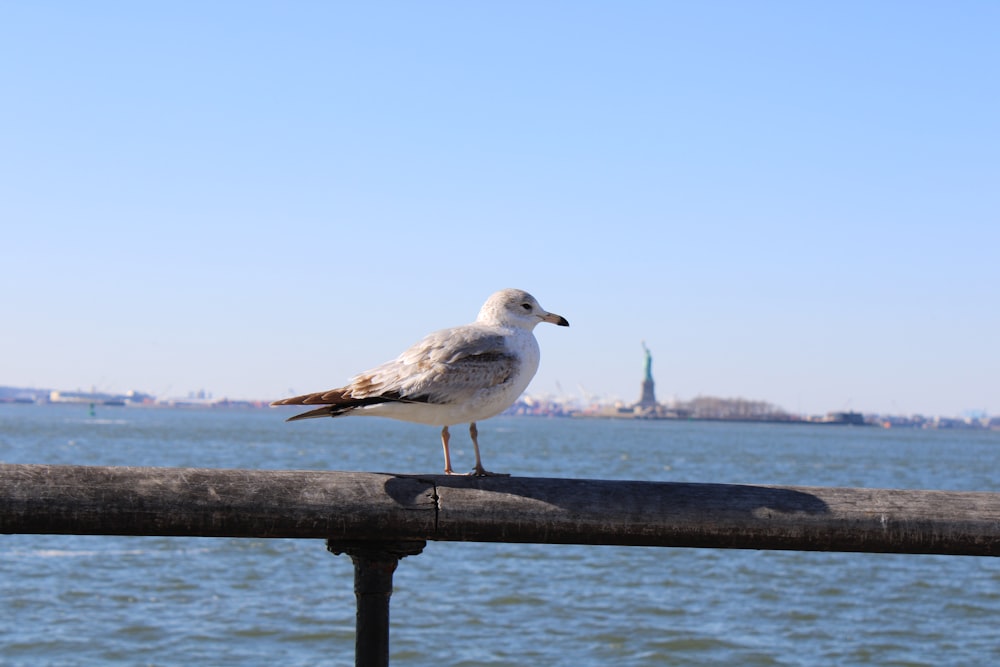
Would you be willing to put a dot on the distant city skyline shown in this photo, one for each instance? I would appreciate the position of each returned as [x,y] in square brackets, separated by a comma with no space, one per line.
[580,398]
[788,202]
[582,402]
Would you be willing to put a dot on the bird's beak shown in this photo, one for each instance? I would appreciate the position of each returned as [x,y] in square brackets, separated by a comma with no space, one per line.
[558,320]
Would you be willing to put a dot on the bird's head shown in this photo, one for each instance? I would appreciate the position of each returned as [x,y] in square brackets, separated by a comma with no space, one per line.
[514,307]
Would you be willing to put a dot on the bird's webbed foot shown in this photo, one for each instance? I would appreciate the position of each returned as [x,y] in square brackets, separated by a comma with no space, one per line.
[483,472]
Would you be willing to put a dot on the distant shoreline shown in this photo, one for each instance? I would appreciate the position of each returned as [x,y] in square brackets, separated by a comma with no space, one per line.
[526,407]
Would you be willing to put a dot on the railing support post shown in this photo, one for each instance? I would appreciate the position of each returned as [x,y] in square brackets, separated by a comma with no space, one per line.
[374,565]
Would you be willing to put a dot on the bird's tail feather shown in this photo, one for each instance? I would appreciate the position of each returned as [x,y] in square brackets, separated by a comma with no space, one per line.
[331,397]
[325,411]
[333,403]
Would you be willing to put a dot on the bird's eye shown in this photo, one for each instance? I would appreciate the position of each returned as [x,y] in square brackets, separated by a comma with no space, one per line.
[526,306]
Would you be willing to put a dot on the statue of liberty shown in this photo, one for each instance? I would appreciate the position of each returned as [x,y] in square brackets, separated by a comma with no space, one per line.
[649,363]
[648,397]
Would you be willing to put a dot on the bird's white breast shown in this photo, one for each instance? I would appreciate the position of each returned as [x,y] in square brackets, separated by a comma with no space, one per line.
[482,403]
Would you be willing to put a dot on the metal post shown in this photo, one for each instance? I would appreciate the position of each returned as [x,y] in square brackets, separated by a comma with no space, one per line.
[374,565]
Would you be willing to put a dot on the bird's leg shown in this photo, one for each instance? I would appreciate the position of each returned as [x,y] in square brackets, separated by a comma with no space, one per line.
[480,471]
[474,433]
[445,438]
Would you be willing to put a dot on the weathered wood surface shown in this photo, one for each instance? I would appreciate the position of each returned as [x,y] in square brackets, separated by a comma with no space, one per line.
[346,506]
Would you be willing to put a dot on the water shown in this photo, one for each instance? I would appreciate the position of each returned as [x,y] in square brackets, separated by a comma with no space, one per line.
[91,600]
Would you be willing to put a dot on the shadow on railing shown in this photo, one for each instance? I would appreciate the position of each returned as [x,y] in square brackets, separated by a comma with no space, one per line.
[379,518]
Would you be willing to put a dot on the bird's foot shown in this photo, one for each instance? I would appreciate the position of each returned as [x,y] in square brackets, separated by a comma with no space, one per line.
[483,472]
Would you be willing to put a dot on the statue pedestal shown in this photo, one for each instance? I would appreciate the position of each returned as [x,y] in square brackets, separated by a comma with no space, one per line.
[648,398]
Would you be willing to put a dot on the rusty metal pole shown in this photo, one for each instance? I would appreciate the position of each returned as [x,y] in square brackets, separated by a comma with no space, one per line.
[374,565]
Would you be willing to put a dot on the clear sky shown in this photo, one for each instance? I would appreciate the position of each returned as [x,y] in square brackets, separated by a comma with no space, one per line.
[792,202]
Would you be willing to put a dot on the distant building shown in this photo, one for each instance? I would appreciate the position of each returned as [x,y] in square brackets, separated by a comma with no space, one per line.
[100,398]
[851,418]
[93,397]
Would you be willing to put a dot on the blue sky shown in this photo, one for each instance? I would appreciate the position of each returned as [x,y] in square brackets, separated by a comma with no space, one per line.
[792,202]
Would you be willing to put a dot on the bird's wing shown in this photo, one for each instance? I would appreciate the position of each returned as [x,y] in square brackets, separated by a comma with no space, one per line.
[447,366]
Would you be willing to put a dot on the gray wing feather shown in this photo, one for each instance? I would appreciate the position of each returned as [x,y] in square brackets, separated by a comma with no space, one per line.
[445,367]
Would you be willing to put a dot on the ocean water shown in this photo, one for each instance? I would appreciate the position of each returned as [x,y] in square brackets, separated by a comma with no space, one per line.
[92,600]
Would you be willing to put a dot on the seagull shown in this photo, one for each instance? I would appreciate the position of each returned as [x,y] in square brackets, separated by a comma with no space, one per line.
[452,376]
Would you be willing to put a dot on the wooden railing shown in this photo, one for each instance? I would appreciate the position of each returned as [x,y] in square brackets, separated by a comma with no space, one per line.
[379,518]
